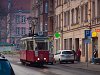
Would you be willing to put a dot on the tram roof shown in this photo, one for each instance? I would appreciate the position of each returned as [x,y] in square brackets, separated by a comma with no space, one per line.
[28,38]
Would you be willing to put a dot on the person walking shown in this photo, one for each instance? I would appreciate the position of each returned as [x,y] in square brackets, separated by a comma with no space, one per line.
[78,54]
[95,52]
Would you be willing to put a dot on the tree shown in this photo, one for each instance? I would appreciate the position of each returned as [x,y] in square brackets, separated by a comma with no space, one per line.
[3,16]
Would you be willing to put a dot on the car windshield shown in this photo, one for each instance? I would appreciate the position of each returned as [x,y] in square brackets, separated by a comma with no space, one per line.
[5,67]
[67,52]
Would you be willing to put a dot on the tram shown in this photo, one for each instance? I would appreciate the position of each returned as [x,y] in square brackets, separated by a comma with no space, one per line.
[34,50]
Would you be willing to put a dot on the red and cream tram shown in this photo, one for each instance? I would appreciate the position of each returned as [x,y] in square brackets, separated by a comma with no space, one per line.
[34,50]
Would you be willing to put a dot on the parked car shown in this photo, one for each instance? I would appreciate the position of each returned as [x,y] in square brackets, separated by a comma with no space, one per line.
[64,56]
[5,67]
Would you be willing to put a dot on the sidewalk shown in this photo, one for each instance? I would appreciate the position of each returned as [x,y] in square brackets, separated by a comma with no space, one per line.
[90,67]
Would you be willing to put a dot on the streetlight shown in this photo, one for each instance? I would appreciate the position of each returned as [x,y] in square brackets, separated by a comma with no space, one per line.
[32,22]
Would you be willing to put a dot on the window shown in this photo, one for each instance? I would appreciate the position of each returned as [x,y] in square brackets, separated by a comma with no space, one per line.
[17,46]
[93,9]
[59,21]
[65,43]
[72,16]
[65,1]
[82,13]
[17,19]
[86,12]
[65,18]
[18,30]
[68,18]
[23,30]
[23,19]
[58,3]
[98,8]
[46,7]
[41,7]
[77,15]
[67,52]
[46,27]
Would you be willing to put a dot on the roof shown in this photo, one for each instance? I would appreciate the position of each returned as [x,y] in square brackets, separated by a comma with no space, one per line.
[29,38]
[64,50]
[5,44]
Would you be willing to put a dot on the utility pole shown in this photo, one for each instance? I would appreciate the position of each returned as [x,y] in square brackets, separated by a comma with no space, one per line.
[90,27]
[62,28]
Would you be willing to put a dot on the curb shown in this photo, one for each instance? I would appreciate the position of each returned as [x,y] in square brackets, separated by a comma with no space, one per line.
[86,69]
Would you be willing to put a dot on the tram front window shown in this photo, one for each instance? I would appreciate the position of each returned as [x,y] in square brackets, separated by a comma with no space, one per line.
[42,46]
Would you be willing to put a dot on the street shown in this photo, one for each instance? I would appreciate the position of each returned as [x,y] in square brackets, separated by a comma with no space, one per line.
[49,70]
[56,69]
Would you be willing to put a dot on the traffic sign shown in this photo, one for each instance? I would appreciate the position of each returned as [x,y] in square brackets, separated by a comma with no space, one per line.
[94,34]
[86,41]
[57,35]
[87,33]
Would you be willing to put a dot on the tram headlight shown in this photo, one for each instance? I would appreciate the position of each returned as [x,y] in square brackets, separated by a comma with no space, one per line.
[44,58]
[38,58]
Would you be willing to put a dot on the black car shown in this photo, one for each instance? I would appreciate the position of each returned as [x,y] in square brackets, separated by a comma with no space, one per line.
[5,67]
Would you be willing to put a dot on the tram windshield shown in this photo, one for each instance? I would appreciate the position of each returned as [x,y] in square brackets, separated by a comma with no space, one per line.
[41,46]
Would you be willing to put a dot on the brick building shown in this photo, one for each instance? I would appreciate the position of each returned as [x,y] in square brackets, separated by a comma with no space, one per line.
[43,10]
[40,11]
[18,25]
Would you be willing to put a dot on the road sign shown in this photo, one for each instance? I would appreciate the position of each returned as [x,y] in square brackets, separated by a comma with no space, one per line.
[87,33]
[97,30]
[94,34]
[57,35]
[86,41]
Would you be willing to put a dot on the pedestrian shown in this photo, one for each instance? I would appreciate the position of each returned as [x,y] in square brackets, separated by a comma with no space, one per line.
[78,54]
[95,52]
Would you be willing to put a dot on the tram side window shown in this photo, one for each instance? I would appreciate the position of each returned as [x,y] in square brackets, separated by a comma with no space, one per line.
[29,45]
[22,45]
[42,45]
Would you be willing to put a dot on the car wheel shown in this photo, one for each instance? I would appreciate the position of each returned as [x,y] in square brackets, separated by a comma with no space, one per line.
[60,62]
[73,62]
[51,63]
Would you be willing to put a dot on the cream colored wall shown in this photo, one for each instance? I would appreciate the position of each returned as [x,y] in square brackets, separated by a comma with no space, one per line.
[77,33]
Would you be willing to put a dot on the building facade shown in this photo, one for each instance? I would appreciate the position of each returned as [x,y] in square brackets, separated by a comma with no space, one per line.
[73,17]
[51,23]
[43,10]
[40,11]
[18,25]
[3,20]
